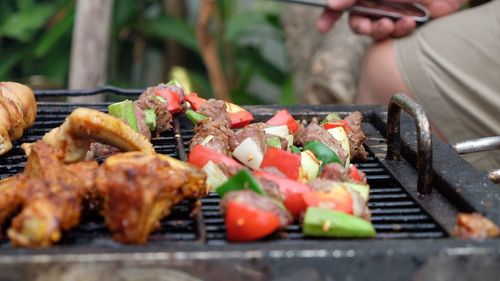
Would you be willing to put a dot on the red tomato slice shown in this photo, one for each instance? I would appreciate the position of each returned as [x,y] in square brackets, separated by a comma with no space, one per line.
[283,117]
[173,99]
[337,199]
[200,155]
[354,174]
[295,204]
[195,101]
[286,186]
[247,223]
[240,119]
[332,125]
[288,163]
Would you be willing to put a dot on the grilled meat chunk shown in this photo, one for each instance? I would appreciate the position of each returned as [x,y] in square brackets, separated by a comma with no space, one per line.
[217,111]
[254,131]
[9,198]
[218,136]
[475,226]
[356,136]
[149,100]
[84,125]
[337,172]
[140,189]
[51,194]
[314,132]
[17,112]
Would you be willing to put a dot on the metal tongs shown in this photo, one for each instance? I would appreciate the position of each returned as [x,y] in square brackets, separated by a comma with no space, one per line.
[377,9]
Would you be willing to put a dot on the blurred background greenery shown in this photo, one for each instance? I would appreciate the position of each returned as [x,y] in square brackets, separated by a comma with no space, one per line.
[147,42]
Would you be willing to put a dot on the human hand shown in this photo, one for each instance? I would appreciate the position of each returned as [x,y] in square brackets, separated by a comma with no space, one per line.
[384,27]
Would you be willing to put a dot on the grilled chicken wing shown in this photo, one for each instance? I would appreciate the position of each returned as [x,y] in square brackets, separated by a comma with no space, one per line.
[51,194]
[9,199]
[84,125]
[17,112]
[140,189]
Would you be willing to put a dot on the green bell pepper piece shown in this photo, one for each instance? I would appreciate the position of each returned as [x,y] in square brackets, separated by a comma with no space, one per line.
[150,118]
[320,222]
[194,116]
[332,117]
[322,152]
[274,142]
[124,110]
[295,149]
[162,99]
[240,181]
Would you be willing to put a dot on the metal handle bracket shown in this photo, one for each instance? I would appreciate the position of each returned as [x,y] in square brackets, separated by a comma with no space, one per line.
[424,138]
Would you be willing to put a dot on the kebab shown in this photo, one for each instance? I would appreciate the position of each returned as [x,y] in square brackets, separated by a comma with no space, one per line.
[283,179]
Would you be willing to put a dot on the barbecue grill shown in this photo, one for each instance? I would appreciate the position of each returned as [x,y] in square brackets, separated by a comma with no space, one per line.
[413,227]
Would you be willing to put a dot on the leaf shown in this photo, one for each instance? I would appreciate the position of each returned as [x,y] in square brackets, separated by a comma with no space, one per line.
[265,68]
[171,28]
[243,23]
[287,92]
[23,25]
[53,36]
[10,61]
[245,98]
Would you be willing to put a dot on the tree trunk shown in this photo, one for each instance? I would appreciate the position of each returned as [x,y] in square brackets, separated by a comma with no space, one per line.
[89,53]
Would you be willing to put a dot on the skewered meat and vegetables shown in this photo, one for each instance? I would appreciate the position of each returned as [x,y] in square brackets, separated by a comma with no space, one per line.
[288,178]
[475,226]
[17,112]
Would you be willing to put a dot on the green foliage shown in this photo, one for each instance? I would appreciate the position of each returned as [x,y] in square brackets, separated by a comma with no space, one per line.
[35,39]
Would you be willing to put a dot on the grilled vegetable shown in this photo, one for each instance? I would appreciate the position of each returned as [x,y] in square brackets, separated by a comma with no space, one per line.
[295,149]
[280,131]
[274,142]
[320,222]
[355,174]
[125,111]
[174,93]
[195,117]
[195,101]
[200,155]
[362,189]
[331,118]
[238,115]
[337,199]
[248,223]
[241,181]
[340,135]
[150,118]
[286,162]
[283,117]
[249,153]
[215,176]
[322,152]
[309,165]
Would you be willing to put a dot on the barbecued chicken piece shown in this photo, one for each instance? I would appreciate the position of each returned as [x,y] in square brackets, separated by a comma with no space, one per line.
[17,112]
[9,199]
[140,189]
[51,194]
[84,125]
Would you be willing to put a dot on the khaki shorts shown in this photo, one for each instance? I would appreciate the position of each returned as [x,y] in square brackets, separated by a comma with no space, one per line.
[452,66]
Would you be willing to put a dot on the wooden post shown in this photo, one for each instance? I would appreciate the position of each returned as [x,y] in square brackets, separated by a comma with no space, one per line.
[209,52]
[89,53]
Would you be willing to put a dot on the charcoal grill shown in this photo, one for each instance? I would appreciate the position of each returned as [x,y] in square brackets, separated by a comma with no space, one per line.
[413,230]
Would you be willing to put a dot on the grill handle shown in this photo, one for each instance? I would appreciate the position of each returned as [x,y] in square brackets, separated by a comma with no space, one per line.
[479,145]
[424,139]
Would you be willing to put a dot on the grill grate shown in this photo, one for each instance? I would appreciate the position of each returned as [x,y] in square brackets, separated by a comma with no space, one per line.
[394,212]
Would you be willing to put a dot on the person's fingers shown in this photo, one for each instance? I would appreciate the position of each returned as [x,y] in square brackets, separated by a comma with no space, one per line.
[360,25]
[382,28]
[326,20]
[404,26]
[340,4]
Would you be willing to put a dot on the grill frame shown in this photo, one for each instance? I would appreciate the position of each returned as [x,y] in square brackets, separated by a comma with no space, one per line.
[274,258]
